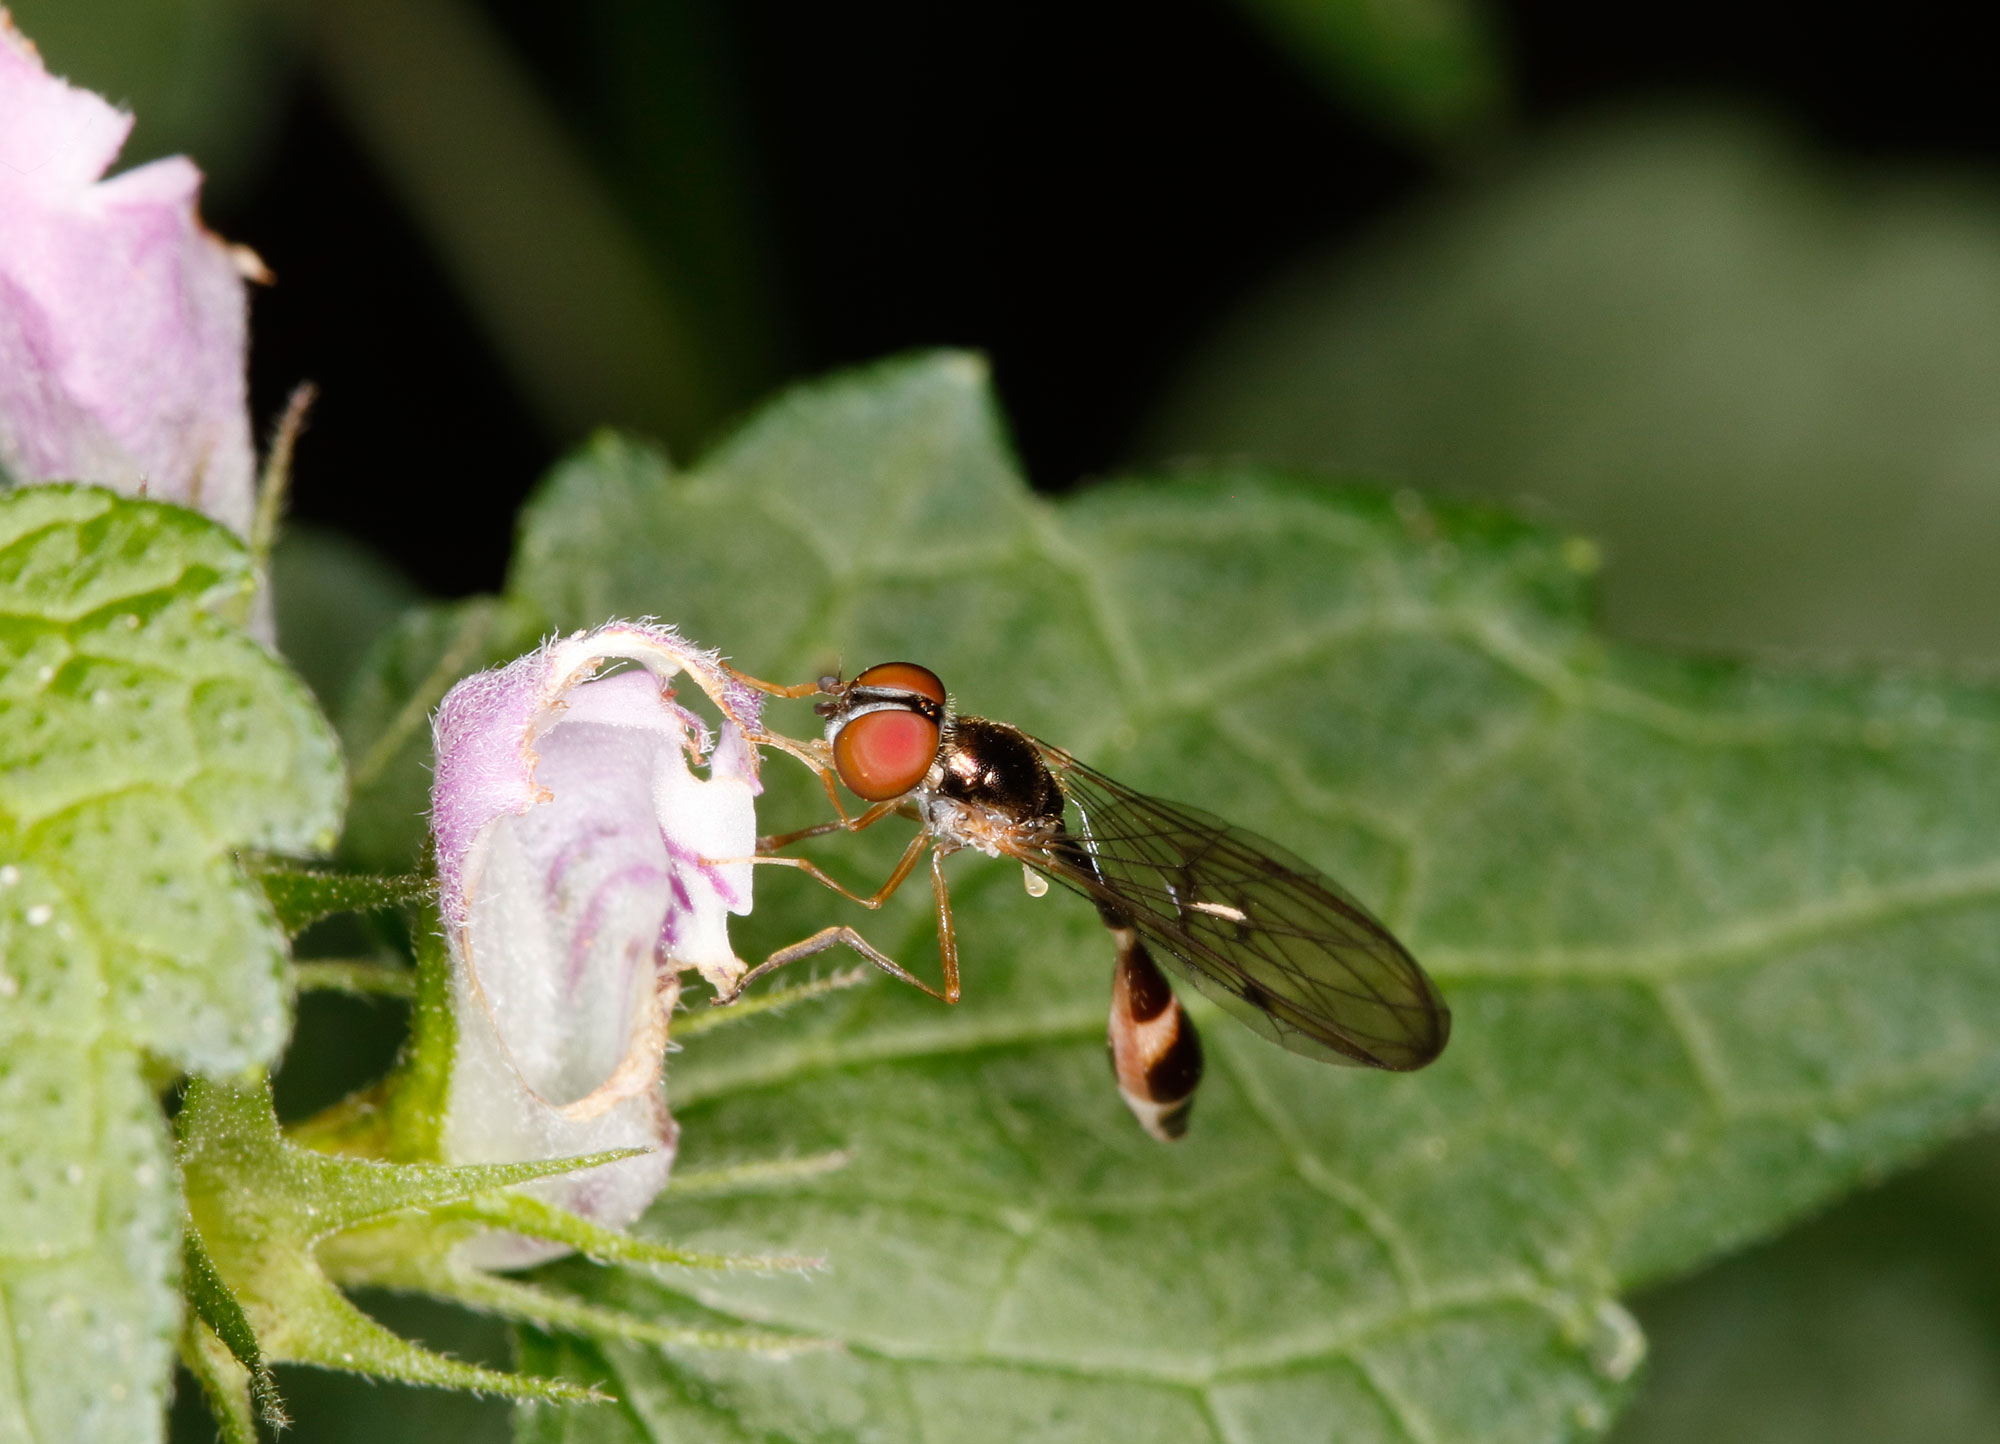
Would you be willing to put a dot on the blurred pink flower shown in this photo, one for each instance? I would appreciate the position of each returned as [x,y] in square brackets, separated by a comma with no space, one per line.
[122,321]
[575,876]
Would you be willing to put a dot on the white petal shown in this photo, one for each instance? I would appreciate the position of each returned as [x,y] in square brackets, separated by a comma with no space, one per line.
[583,865]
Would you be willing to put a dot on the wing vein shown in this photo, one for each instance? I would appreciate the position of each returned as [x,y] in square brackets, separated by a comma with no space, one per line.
[1261,932]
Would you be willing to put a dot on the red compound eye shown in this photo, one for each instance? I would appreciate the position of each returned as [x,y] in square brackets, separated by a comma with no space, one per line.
[880,755]
[907,676]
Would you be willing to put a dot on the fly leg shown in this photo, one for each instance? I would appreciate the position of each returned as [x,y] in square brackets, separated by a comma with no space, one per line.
[812,869]
[836,937]
[820,829]
[812,754]
[781,689]
[947,934]
[844,936]
[815,755]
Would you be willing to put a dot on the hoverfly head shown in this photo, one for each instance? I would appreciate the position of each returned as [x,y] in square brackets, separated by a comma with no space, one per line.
[885,728]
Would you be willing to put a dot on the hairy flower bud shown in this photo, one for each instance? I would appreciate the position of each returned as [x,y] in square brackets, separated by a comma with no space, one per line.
[582,866]
[122,321]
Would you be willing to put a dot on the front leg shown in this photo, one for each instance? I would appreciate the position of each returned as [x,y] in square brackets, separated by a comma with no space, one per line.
[826,685]
[812,754]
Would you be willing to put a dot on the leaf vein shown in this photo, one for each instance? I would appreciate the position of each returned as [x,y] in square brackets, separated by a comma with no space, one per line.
[1748,940]
[1314,1172]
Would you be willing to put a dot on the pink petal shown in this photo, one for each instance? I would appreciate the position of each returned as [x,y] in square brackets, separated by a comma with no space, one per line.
[577,874]
[123,323]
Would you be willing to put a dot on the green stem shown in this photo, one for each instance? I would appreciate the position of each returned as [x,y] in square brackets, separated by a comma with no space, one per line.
[355,977]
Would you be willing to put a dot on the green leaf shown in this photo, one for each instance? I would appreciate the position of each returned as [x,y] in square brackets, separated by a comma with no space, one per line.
[1873,1322]
[568,1356]
[263,1208]
[1720,943]
[1765,381]
[1766,385]
[523,1213]
[275,1228]
[225,1381]
[143,742]
[217,1308]
[1430,67]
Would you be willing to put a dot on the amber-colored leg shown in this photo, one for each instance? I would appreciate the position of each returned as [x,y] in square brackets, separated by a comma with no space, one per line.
[844,936]
[846,824]
[812,754]
[779,689]
[811,870]
[947,935]
[819,942]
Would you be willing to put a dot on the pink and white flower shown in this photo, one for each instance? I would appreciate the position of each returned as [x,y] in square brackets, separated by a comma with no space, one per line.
[123,323]
[583,865]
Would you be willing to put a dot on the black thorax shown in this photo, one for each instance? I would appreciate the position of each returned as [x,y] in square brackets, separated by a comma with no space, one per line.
[994,766]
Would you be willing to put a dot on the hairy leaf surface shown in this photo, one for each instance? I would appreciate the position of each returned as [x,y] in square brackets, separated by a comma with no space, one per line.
[1720,942]
[143,742]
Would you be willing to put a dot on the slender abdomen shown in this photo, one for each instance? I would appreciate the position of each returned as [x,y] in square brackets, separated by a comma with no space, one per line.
[1155,1051]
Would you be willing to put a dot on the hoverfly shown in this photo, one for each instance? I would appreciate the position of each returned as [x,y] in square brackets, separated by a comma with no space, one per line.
[1275,942]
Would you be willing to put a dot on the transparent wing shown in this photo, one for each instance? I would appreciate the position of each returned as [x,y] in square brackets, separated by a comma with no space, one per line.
[1274,941]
